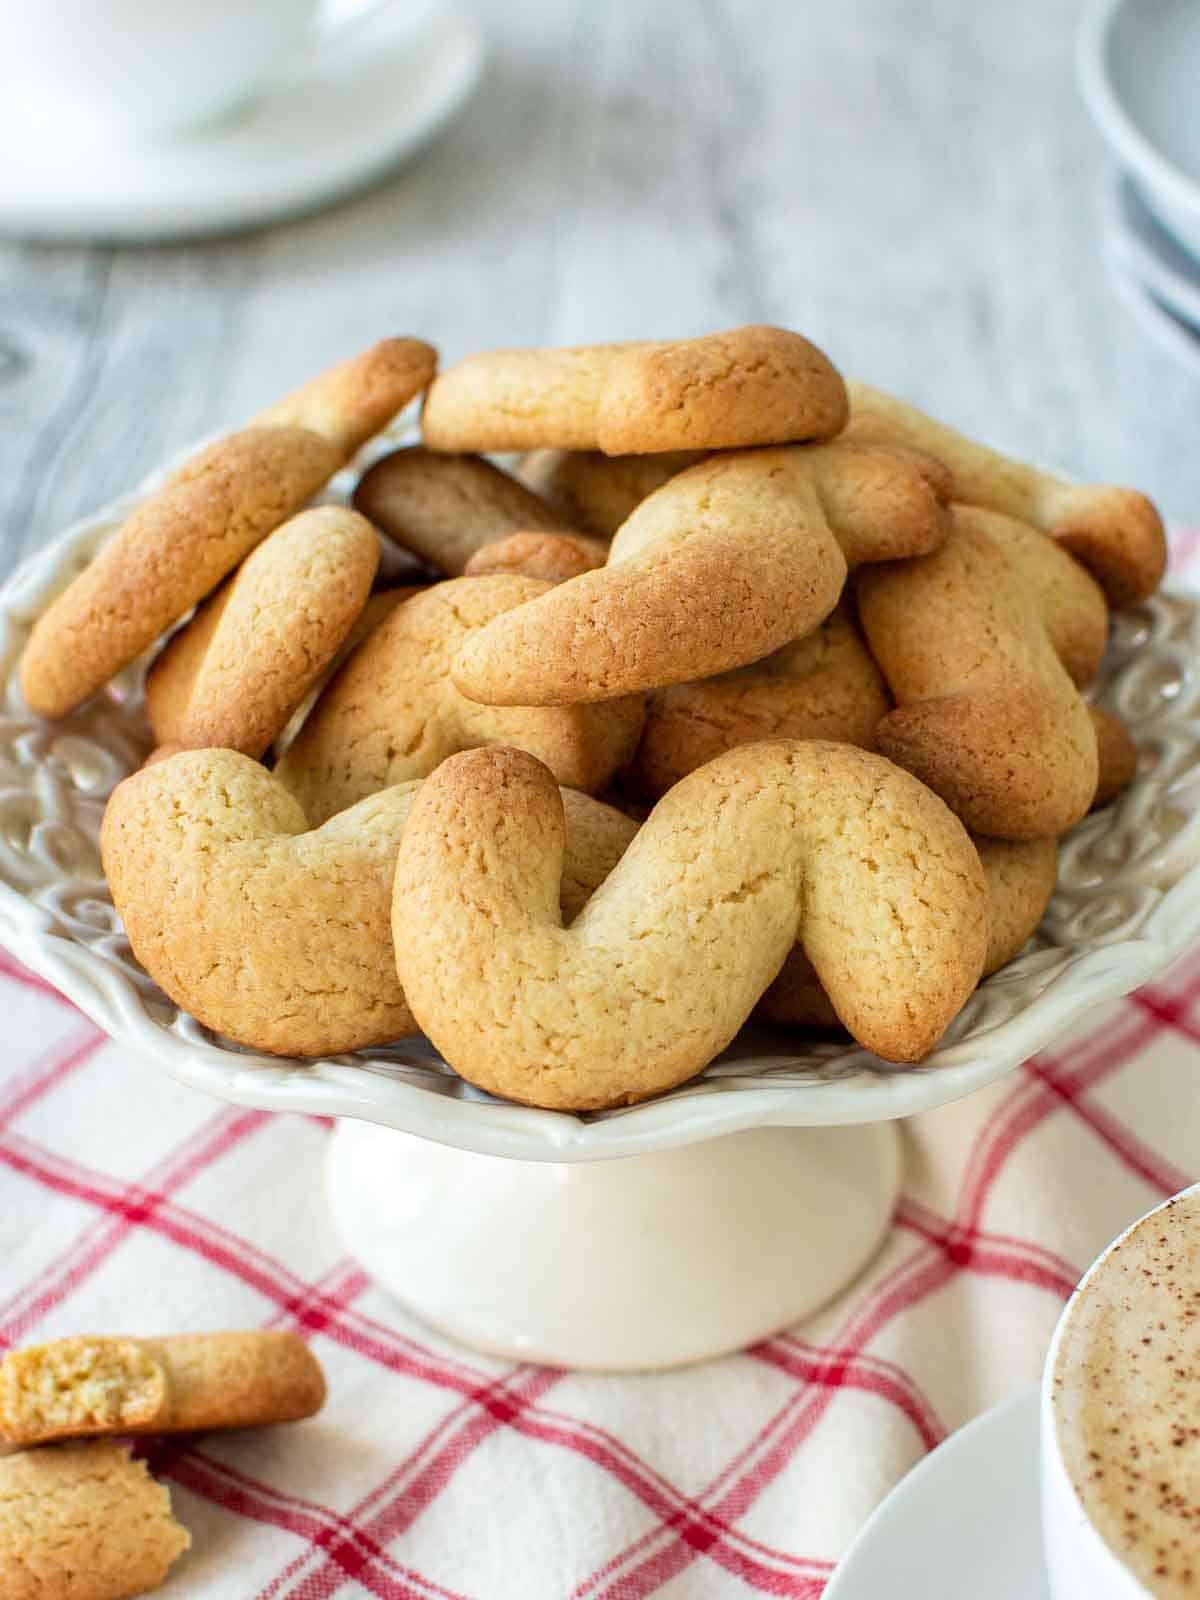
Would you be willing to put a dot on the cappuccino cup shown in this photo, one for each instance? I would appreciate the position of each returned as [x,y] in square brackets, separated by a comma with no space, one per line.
[1120,1418]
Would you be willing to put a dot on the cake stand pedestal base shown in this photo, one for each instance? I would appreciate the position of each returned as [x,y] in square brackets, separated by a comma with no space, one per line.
[646,1261]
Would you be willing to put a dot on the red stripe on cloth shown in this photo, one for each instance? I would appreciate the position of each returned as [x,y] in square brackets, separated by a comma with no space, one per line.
[780,1442]
[1018,1258]
[793,1427]
[848,1372]
[834,1368]
[1170,1011]
[128,1207]
[657,1493]
[413,1486]
[312,1311]
[761,1460]
[607,1452]
[1153,1169]
[235,1255]
[911,1210]
[321,1528]
[174,1459]
[599,1446]
[994,1255]
[893,1294]
[12,969]
[1183,549]
[49,1071]
[1030,1103]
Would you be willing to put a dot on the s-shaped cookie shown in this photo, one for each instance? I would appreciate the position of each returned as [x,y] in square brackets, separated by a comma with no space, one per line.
[733,558]
[272,933]
[767,844]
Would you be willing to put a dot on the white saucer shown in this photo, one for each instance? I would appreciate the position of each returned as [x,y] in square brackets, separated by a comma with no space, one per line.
[966,1521]
[1144,248]
[371,101]
[1171,333]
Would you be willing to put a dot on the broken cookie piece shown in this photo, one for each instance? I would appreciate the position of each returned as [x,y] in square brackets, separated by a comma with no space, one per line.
[83,1521]
[85,1386]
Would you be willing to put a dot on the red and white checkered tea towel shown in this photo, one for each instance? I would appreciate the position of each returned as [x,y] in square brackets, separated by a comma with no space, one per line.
[130,1203]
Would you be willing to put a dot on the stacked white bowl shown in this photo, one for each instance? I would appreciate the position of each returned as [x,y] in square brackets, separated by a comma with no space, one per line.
[1139,70]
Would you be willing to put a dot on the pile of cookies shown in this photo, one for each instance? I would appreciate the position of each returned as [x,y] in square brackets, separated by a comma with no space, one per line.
[82,1519]
[836,647]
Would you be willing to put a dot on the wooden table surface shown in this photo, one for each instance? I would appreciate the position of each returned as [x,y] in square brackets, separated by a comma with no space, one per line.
[910,182]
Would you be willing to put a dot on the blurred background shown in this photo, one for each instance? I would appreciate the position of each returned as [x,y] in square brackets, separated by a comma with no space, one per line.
[912,183]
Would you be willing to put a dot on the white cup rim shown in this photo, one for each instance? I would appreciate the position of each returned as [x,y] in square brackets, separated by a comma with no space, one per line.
[1123,135]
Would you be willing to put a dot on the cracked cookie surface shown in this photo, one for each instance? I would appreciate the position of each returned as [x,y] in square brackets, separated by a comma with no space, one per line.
[271,933]
[83,1522]
[167,556]
[986,713]
[748,386]
[392,711]
[726,562]
[768,844]
[234,675]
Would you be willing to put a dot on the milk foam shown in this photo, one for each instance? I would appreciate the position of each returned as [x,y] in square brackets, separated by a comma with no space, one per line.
[1127,1399]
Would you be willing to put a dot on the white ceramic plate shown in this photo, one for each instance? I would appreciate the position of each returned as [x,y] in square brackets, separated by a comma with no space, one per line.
[1143,249]
[1138,66]
[966,1522]
[1128,901]
[355,113]
[1169,332]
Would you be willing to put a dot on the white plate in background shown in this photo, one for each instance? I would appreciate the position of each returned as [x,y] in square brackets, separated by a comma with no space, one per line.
[1147,251]
[317,135]
[1169,332]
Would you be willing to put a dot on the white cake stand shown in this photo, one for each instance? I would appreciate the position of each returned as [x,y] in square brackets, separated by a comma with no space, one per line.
[657,1234]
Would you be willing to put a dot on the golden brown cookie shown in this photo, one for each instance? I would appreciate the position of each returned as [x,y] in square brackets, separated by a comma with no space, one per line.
[749,386]
[351,402]
[166,557]
[596,492]
[771,841]
[1117,534]
[83,1522]
[378,608]
[1117,757]
[728,561]
[552,556]
[235,674]
[392,713]
[274,935]
[1073,609]
[986,714]
[1076,618]
[445,508]
[209,515]
[185,1383]
[825,686]
[1020,876]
